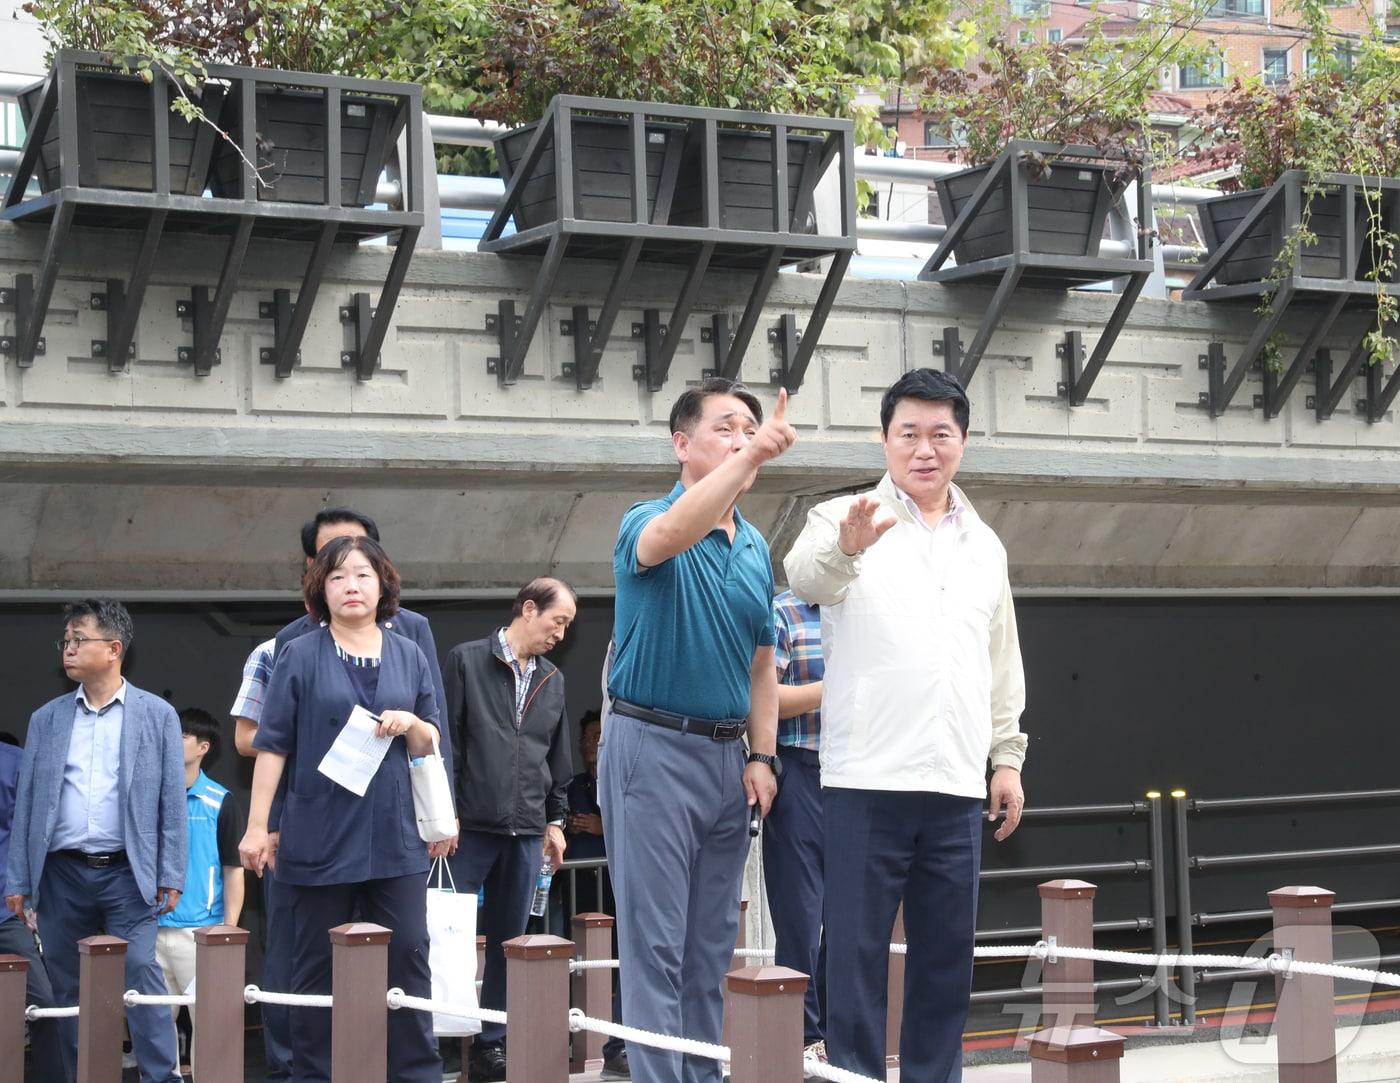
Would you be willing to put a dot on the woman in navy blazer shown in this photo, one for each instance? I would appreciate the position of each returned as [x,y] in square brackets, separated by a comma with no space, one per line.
[340,854]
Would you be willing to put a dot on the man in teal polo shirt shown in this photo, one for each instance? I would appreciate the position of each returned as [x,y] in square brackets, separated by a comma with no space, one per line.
[692,672]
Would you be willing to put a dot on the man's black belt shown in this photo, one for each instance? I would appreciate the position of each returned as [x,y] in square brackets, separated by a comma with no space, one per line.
[728,729]
[96,861]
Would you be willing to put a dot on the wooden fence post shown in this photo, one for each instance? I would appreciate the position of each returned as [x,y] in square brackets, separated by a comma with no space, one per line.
[1067,914]
[537,1005]
[101,983]
[360,1011]
[1075,1054]
[591,990]
[765,1005]
[218,1006]
[14,972]
[894,993]
[1305,1018]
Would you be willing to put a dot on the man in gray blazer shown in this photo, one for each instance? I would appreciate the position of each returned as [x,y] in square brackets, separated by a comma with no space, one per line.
[98,839]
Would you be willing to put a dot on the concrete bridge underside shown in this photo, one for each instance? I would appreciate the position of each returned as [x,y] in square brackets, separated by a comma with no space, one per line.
[154,480]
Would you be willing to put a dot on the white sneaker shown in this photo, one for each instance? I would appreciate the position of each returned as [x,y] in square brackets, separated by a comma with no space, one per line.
[816,1051]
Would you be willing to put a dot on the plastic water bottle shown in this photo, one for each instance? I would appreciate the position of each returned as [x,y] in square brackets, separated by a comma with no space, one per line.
[540,906]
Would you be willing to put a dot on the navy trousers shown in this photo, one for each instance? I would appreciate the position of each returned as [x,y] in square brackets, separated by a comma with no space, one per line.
[792,877]
[507,866]
[398,903]
[926,850]
[45,1059]
[277,978]
[676,821]
[76,901]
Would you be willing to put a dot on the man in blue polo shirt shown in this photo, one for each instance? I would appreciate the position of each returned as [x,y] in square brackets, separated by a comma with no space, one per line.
[692,671]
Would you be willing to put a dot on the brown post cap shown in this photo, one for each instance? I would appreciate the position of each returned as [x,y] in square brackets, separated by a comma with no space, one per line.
[101,945]
[220,935]
[593,921]
[1301,898]
[1068,889]
[13,964]
[1076,1044]
[359,934]
[538,946]
[766,981]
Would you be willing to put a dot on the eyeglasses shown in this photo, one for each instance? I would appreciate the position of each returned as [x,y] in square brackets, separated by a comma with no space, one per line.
[78,641]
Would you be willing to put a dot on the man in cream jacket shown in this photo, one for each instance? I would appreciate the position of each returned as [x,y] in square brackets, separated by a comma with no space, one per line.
[923,687]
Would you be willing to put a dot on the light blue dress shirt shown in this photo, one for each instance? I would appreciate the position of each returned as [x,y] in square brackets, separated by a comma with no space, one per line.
[89,802]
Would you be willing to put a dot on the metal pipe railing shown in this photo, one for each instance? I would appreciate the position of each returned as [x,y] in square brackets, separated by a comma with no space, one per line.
[1275,857]
[1290,800]
[1227,917]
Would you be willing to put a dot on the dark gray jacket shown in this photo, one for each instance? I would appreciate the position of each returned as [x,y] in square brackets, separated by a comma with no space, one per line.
[508,781]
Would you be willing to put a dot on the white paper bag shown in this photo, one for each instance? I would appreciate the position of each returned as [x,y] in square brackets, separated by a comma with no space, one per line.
[452,951]
[432,797]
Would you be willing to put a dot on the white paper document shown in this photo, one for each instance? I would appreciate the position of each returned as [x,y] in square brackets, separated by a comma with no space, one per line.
[356,754]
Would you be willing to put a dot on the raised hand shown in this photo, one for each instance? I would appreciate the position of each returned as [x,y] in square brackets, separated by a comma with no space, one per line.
[774,436]
[859,531]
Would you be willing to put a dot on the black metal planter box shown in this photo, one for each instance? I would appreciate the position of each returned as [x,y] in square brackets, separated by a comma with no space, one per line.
[292,139]
[1252,258]
[708,189]
[116,130]
[111,156]
[601,166]
[602,170]
[1067,204]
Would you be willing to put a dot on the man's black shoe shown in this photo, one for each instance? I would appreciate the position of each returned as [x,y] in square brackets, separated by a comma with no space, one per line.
[616,1067]
[486,1063]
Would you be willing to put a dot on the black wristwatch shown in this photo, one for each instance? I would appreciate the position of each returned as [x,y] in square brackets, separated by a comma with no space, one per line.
[774,764]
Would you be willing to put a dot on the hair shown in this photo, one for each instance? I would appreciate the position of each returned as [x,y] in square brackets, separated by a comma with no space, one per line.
[930,385]
[337,552]
[544,591]
[201,726]
[690,406]
[589,718]
[110,616]
[329,517]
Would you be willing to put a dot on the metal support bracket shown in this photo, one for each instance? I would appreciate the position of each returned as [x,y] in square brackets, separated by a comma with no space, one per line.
[1329,391]
[113,303]
[289,320]
[359,315]
[787,337]
[1071,352]
[653,335]
[199,310]
[1380,392]
[950,348]
[1079,381]
[20,297]
[1213,361]
[720,337]
[279,311]
[505,325]
[208,314]
[1279,385]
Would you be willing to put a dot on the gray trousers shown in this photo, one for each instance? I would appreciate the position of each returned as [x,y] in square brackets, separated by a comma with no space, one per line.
[675,818]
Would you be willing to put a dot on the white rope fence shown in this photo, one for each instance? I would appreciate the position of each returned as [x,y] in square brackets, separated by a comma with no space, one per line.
[817,1070]
[253,995]
[132,999]
[397,999]
[34,1013]
[577,966]
[578,1021]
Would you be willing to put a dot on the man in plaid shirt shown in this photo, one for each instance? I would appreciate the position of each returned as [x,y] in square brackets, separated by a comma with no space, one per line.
[792,837]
